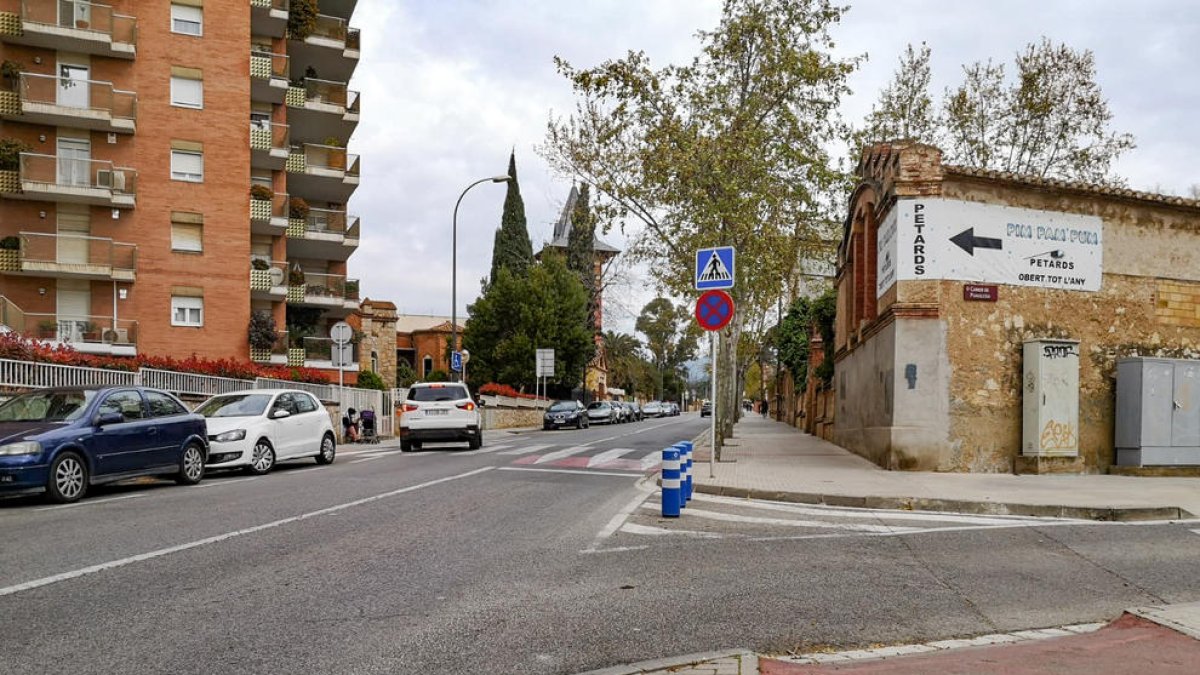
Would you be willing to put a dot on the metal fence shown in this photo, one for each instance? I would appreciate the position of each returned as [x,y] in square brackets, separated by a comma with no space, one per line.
[190,383]
[321,391]
[30,374]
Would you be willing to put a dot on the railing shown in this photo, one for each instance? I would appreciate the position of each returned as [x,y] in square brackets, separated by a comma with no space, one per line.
[353,39]
[78,251]
[326,221]
[79,15]
[281,5]
[329,92]
[264,279]
[268,136]
[73,328]
[352,289]
[191,383]
[321,349]
[352,230]
[95,95]
[77,173]
[330,28]
[325,157]
[352,169]
[38,375]
[325,285]
[266,209]
[11,316]
[267,65]
[321,391]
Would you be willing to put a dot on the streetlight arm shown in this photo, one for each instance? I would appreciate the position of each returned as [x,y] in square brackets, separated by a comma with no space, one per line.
[454,259]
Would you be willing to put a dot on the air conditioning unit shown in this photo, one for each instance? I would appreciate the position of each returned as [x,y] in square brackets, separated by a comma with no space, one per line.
[114,180]
[119,336]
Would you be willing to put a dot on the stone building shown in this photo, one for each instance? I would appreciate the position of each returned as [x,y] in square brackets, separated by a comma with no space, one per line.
[376,319]
[944,272]
[421,340]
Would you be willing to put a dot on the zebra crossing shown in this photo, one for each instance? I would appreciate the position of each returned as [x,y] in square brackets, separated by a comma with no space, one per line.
[582,457]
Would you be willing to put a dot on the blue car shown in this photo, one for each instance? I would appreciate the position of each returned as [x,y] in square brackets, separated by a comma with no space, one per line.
[63,440]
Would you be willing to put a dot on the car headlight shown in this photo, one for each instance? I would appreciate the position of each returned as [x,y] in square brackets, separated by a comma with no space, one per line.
[229,436]
[22,448]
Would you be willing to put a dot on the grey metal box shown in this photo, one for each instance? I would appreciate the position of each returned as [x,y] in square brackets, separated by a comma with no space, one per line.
[1158,412]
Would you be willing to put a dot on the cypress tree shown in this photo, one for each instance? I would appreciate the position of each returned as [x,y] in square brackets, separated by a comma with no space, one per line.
[512,249]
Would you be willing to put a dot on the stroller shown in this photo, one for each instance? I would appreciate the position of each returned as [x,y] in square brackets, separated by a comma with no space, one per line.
[370,433]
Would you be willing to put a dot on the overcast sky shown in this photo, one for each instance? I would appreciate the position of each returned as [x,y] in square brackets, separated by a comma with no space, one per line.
[449,87]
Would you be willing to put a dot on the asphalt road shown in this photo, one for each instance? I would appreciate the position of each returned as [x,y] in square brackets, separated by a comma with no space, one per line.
[541,553]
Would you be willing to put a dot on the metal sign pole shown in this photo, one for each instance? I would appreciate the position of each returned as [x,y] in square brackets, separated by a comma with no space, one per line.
[712,446]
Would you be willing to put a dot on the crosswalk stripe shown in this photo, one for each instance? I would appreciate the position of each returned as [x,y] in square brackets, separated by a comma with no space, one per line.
[526,450]
[787,522]
[559,454]
[607,456]
[651,459]
[482,451]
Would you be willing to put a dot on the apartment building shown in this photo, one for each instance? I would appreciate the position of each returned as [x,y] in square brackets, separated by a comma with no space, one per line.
[168,167]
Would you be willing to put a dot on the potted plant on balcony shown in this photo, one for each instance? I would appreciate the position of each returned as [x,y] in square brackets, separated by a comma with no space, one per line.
[47,330]
[262,336]
[260,192]
[337,153]
[302,18]
[260,275]
[10,164]
[11,72]
[297,289]
[10,254]
[89,332]
[352,289]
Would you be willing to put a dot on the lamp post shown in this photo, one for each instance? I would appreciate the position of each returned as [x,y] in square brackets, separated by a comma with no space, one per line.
[454,261]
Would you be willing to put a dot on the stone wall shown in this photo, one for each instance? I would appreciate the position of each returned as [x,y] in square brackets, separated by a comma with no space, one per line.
[510,418]
[379,338]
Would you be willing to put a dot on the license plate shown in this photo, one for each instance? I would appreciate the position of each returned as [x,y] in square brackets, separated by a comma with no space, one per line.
[435,412]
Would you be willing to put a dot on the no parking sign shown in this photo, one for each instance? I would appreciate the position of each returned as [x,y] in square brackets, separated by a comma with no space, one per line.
[714,310]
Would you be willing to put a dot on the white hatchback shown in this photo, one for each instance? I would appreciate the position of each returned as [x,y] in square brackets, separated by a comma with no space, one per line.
[258,428]
[439,411]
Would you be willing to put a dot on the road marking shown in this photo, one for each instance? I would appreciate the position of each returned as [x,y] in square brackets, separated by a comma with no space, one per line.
[619,518]
[581,472]
[639,431]
[608,456]
[651,459]
[365,451]
[729,517]
[526,450]
[367,458]
[65,576]
[616,549]
[484,451]
[837,512]
[90,502]
[634,528]
[1195,531]
[560,454]
[212,484]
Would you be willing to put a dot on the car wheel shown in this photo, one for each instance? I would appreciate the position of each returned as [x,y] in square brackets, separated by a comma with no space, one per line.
[475,443]
[262,459]
[405,446]
[68,478]
[191,465]
[328,450]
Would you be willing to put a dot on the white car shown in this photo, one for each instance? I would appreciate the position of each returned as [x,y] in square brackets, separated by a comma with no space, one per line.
[439,411]
[258,428]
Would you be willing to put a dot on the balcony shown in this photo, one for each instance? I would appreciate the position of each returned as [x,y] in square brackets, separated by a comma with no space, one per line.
[268,145]
[323,173]
[333,48]
[269,216]
[76,26]
[269,17]
[88,334]
[318,353]
[324,235]
[268,76]
[68,256]
[69,179]
[331,291]
[278,352]
[268,279]
[320,109]
[87,104]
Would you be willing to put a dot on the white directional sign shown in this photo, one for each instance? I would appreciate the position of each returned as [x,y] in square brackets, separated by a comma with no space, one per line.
[714,268]
[988,243]
[545,362]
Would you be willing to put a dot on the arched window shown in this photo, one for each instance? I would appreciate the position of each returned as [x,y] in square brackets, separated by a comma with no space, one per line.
[374,361]
[426,365]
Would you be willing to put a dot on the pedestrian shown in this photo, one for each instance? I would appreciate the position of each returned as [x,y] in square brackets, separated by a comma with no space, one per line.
[350,426]
[763,407]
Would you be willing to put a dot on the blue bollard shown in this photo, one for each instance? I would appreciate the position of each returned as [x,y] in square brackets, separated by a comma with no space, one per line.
[687,476]
[672,497]
[683,495]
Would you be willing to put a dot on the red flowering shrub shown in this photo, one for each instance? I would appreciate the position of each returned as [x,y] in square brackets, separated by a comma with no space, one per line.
[494,389]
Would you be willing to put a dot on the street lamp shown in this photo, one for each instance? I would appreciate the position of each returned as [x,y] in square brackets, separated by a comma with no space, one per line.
[454,260]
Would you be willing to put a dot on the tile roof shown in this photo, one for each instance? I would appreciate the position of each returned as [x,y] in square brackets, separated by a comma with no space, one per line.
[1093,188]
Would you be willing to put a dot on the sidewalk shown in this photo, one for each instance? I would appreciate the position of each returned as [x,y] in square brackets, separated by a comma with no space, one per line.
[771,460]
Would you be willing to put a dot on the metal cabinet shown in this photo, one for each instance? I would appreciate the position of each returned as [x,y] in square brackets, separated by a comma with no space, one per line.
[1050,415]
[1158,412]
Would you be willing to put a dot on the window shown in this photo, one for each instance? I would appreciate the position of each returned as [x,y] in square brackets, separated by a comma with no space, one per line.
[127,402]
[426,366]
[162,405]
[187,92]
[375,361]
[187,20]
[284,402]
[187,311]
[187,165]
[186,234]
[305,403]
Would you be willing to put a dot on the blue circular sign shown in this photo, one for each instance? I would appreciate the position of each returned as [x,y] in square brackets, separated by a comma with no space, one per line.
[714,310]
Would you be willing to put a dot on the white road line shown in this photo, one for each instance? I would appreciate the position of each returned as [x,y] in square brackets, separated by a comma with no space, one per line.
[1195,531]
[631,433]
[365,451]
[651,459]
[634,528]
[367,458]
[870,513]
[65,576]
[212,483]
[729,517]
[484,451]
[581,472]
[904,531]
[560,454]
[616,549]
[608,456]
[619,519]
[526,450]
[89,502]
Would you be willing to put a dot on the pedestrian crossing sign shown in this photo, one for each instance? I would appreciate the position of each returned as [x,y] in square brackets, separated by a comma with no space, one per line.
[714,268]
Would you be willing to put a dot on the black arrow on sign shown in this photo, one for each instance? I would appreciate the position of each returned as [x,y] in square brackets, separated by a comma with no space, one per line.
[968,242]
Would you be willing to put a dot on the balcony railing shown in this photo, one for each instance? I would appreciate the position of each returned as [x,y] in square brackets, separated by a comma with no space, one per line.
[265,210]
[268,136]
[267,275]
[328,92]
[96,96]
[11,316]
[88,17]
[72,172]
[77,255]
[331,286]
[267,65]
[79,329]
[326,221]
[321,349]
[277,352]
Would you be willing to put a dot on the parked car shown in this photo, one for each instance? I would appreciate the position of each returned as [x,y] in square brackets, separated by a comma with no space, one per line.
[258,428]
[672,409]
[439,411]
[653,409]
[565,414]
[637,411]
[624,414]
[706,409]
[64,440]
[601,412]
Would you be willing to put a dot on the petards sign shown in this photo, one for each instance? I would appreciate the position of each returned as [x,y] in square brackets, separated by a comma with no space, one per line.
[988,243]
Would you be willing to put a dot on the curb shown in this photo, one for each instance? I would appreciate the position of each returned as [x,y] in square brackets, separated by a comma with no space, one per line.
[1167,616]
[672,662]
[1116,513]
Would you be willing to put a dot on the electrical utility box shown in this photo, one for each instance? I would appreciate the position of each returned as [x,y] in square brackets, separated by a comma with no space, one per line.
[1050,420]
[1158,412]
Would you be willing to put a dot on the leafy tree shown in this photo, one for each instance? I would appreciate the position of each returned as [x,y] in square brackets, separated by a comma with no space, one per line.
[727,150]
[671,337]
[794,333]
[905,109]
[369,379]
[405,375]
[437,376]
[624,360]
[512,249]
[581,254]
[517,315]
